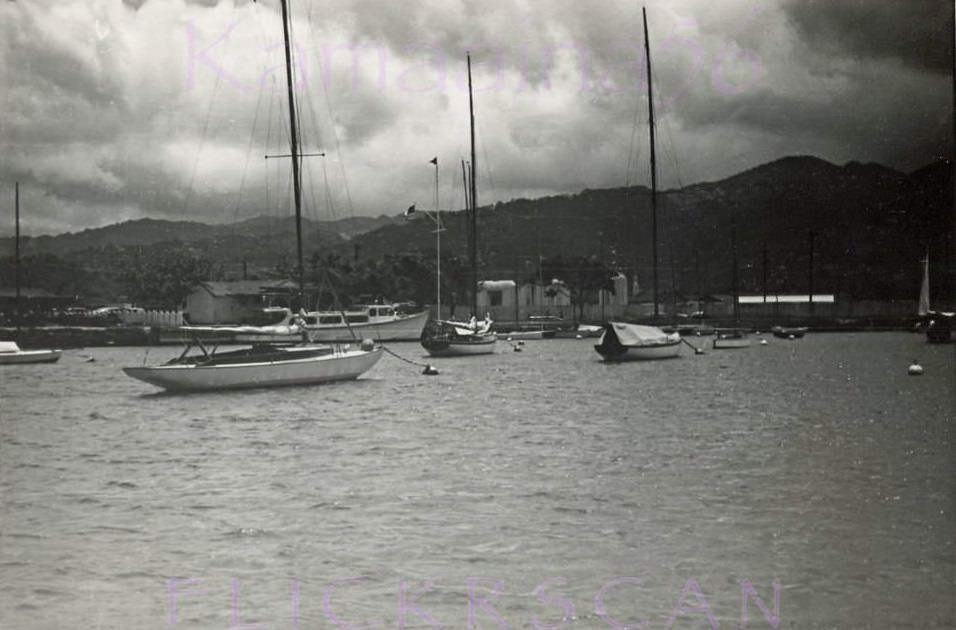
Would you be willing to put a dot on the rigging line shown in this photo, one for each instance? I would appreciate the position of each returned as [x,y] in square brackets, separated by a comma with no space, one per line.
[202,142]
[281,209]
[328,192]
[321,73]
[272,100]
[670,138]
[300,98]
[245,167]
[634,150]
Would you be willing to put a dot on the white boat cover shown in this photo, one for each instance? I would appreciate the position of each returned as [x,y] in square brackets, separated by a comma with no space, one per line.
[264,330]
[9,346]
[637,335]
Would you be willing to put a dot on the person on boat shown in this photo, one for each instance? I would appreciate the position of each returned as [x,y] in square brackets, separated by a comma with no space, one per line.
[473,323]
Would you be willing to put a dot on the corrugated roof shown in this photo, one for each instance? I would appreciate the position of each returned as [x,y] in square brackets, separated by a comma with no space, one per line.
[821,298]
[246,287]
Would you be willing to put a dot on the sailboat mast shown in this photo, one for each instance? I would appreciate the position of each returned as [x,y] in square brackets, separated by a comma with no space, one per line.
[650,108]
[923,307]
[294,131]
[16,268]
[733,253]
[474,201]
[437,245]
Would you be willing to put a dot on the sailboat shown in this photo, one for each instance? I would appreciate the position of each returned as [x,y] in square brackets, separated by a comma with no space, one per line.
[939,326]
[631,342]
[734,338]
[270,364]
[10,352]
[445,338]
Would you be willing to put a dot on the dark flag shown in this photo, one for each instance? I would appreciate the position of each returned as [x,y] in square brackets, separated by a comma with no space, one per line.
[410,211]
[434,161]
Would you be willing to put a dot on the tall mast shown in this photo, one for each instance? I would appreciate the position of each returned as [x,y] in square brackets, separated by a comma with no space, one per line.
[650,107]
[16,268]
[474,202]
[733,253]
[296,178]
[437,245]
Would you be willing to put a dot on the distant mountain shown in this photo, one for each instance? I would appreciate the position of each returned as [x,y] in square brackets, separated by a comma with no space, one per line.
[143,232]
[871,226]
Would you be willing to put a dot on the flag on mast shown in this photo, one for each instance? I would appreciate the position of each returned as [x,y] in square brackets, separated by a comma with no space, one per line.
[434,161]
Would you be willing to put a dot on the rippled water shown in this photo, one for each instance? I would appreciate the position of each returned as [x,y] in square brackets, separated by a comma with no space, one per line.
[510,489]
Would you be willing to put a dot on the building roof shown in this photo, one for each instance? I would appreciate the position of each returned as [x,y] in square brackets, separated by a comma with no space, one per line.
[820,298]
[247,287]
[496,285]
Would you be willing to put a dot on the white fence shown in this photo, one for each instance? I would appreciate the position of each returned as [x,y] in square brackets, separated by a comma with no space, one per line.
[152,318]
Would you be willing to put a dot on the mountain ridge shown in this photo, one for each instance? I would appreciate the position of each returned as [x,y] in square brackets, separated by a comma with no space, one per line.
[870,225]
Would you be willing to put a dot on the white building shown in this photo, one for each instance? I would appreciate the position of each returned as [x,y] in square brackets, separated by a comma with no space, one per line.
[234,302]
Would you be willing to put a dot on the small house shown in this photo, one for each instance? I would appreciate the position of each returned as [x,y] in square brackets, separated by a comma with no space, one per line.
[236,302]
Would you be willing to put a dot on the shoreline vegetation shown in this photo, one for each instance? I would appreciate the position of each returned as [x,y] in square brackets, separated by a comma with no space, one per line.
[804,225]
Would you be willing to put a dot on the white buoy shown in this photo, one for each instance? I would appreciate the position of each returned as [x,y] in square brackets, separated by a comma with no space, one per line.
[763,342]
[915,369]
[430,370]
[578,337]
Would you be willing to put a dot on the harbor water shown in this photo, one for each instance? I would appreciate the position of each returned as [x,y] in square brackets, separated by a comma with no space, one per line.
[801,484]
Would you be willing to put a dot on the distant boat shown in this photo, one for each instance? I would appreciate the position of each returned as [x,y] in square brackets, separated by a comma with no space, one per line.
[515,335]
[266,365]
[381,322]
[446,338]
[10,352]
[443,338]
[731,339]
[782,332]
[939,325]
[632,342]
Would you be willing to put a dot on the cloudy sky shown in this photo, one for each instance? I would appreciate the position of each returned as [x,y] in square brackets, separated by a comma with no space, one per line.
[122,109]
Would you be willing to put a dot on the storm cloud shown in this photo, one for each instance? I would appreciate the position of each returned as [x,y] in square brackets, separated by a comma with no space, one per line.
[118,110]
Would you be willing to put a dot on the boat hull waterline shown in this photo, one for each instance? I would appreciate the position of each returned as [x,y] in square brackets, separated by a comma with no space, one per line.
[20,357]
[724,341]
[788,333]
[308,370]
[483,344]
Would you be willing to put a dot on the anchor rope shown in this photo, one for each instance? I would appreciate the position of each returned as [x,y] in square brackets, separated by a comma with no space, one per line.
[401,358]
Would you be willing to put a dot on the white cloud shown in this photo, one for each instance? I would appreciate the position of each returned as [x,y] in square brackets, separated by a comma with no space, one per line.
[166,108]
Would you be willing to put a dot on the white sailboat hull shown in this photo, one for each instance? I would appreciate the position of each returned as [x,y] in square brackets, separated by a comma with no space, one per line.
[730,342]
[528,334]
[312,370]
[18,357]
